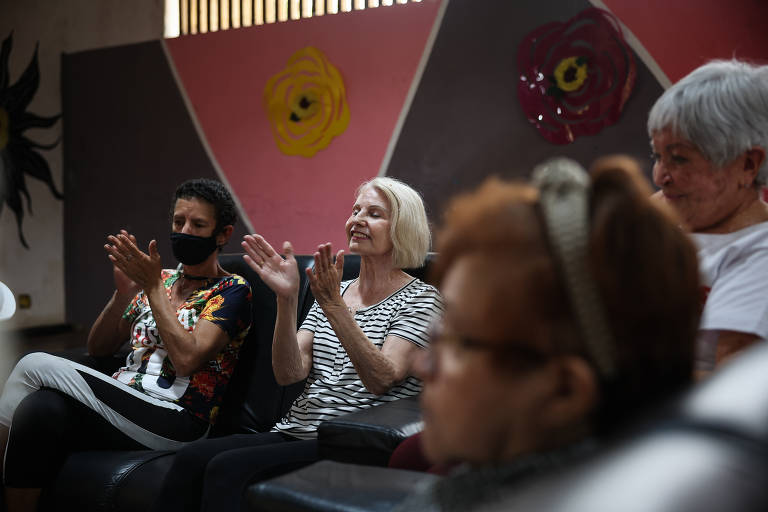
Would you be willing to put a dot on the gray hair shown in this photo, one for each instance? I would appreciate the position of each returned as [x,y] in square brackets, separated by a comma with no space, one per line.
[409,228]
[721,107]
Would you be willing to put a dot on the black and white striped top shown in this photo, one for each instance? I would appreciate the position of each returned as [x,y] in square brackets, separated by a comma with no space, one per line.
[333,387]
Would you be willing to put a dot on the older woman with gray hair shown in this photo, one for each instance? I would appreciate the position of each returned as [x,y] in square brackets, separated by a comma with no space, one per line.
[709,134]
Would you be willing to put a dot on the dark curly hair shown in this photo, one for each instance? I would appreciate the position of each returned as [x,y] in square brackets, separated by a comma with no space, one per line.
[213,192]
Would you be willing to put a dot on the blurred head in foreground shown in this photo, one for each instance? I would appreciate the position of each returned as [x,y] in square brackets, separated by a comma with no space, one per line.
[571,305]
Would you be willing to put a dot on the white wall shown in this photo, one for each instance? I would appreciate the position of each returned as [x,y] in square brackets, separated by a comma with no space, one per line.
[60,26]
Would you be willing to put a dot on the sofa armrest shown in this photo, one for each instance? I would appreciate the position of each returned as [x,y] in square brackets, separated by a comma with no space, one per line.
[333,486]
[371,435]
[115,481]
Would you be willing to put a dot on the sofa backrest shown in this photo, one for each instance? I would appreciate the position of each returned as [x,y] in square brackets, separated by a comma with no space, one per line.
[254,401]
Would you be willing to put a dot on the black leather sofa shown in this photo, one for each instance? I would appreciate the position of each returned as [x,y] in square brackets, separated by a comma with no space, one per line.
[118,480]
[707,451]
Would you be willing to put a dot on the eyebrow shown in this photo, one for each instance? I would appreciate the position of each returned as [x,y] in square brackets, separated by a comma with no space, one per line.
[676,145]
[679,145]
[194,219]
[371,207]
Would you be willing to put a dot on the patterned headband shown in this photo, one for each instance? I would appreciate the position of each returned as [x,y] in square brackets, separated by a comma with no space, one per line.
[564,189]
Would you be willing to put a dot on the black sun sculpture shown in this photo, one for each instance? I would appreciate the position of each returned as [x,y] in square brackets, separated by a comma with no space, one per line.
[17,153]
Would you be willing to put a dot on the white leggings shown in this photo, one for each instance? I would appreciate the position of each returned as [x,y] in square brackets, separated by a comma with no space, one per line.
[157,424]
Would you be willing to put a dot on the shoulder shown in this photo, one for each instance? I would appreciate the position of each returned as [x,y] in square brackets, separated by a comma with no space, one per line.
[416,295]
[418,290]
[235,280]
[746,249]
[232,286]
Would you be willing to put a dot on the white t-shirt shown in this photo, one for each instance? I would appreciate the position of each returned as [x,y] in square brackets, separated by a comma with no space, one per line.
[734,275]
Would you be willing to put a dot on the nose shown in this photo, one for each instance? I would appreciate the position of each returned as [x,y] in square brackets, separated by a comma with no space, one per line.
[661,176]
[187,229]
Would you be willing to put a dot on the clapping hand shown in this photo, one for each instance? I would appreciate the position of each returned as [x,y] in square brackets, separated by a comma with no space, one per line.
[325,277]
[281,275]
[133,269]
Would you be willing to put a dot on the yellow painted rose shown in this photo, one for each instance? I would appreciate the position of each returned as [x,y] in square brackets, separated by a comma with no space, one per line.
[306,103]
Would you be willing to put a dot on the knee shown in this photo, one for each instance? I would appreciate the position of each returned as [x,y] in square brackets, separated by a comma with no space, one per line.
[225,475]
[218,468]
[46,413]
[33,363]
[43,426]
[191,461]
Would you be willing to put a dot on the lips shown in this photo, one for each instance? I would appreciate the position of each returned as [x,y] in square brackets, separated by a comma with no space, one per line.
[356,235]
[671,196]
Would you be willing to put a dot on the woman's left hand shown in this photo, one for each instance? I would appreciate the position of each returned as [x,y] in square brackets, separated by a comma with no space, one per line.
[142,268]
[325,278]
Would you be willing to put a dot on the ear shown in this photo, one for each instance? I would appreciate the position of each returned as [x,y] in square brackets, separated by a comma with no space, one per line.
[753,160]
[573,397]
[223,237]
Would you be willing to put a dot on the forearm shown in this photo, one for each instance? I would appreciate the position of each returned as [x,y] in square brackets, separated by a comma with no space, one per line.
[287,363]
[731,343]
[180,344]
[376,371]
[105,336]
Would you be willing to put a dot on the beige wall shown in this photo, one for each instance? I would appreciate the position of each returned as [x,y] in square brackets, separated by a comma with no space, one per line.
[60,26]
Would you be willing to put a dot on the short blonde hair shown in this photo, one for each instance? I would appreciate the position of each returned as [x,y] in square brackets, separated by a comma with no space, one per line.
[409,228]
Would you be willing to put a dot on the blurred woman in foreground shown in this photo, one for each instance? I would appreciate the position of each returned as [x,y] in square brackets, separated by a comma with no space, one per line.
[569,309]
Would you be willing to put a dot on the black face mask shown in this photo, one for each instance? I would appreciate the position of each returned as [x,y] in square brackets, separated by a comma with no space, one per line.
[191,249]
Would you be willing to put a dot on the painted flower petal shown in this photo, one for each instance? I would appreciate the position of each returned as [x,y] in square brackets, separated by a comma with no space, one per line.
[29,120]
[5,52]
[19,95]
[30,162]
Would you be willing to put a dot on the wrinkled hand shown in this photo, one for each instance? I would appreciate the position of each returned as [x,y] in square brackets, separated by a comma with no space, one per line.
[325,277]
[142,269]
[281,275]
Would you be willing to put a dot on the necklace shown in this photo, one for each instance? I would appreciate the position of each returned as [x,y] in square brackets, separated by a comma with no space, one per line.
[195,278]
[199,278]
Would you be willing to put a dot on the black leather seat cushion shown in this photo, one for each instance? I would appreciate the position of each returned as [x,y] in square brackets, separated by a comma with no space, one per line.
[371,435]
[329,485]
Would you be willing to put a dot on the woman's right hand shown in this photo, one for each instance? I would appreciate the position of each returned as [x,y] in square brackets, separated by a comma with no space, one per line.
[281,275]
[124,285]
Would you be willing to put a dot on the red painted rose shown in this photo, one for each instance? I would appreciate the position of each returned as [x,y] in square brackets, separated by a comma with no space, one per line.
[575,77]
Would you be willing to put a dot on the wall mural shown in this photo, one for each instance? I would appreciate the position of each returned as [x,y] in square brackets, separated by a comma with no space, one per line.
[461,123]
[575,76]
[306,103]
[17,153]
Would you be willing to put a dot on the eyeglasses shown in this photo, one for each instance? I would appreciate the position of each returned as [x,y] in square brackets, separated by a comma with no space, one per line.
[510,352]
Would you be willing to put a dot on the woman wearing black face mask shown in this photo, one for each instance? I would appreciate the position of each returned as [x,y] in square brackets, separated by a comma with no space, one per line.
[185,327]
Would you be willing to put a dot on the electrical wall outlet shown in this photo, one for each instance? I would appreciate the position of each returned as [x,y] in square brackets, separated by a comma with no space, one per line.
[24,301]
